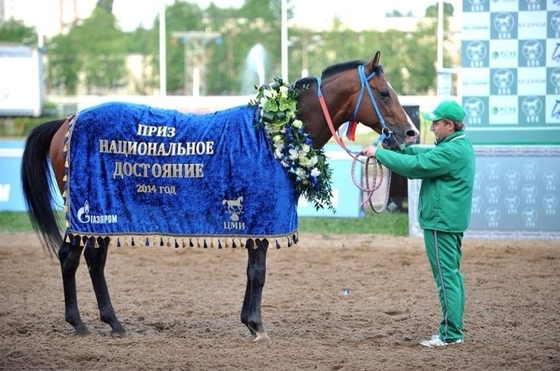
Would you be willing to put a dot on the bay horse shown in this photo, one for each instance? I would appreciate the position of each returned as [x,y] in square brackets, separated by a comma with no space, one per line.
[324,104]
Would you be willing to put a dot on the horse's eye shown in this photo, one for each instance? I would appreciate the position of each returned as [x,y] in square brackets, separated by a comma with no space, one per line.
[385,93]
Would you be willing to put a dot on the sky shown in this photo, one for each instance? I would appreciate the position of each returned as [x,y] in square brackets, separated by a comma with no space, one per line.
[46,15]
[132,13]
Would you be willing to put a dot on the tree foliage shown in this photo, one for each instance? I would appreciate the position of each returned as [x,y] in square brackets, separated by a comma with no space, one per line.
[93,53]
[16,32]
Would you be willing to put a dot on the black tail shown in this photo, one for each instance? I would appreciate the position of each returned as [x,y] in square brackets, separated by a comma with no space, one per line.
[38,186]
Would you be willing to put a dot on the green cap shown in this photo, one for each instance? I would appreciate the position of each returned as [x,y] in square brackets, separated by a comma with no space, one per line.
[448,109]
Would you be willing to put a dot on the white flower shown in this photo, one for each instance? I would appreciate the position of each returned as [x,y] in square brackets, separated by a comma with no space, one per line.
[300,172]
[284,91]
[293,154]
[313,161]
[278,151]
[277,139]
[303,161]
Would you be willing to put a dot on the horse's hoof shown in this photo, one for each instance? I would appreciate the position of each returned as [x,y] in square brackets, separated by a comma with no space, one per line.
[262,338]
[81,332]
[118,334]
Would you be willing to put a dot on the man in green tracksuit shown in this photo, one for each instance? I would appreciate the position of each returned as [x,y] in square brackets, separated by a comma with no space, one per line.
[447,173]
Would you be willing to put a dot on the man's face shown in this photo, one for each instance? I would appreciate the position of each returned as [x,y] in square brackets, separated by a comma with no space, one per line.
[442,128]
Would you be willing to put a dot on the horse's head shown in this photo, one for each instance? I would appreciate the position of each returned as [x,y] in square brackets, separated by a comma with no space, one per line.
[377,105]
[358,91]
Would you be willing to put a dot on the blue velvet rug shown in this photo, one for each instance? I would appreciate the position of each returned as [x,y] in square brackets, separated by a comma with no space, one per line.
[155,176]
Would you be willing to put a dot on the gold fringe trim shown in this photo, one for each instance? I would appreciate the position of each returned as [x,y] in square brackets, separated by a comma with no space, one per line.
[220,242]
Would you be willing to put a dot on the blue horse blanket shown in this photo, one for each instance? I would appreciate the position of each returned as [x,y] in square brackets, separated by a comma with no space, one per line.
[140,171]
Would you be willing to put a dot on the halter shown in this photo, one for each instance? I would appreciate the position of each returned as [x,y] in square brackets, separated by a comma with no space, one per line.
[385,132]
[385,135]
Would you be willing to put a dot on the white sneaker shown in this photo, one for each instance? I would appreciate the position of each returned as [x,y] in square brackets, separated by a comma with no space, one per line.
[435,341]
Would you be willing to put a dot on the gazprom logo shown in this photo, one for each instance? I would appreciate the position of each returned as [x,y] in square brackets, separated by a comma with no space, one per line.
[85,217]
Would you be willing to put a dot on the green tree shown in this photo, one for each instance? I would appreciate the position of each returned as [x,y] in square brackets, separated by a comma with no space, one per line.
[64,63]
[16,32]
[94,48]
[179,17]
[104,56]
[105,4]
[432,10]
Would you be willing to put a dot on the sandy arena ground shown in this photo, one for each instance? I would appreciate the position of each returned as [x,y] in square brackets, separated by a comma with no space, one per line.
[181,308]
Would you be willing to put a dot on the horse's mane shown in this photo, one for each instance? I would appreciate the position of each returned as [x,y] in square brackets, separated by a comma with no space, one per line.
[333,70]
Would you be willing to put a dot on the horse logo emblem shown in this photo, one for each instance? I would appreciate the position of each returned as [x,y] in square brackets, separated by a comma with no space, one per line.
[555,80]
[529,191]
[492,191]
[532,50]
[529,215]
[504,79]
[476,52]
[533,4]
[474,107]
[530,170]
[234,207]
[512,203]
[550,203]
[555,22]
[550,179]
[477,202]
[532,107]
[492,215]
[477,5]
[512,178]
[504,23]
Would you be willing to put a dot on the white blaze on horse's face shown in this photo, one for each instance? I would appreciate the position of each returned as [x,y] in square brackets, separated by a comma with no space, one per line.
[413,129]
[410,134]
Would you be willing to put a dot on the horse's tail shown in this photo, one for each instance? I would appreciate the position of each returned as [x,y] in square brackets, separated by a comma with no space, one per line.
[38,186]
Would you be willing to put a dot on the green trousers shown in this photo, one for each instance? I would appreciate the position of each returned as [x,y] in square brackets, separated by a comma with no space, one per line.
[444,254]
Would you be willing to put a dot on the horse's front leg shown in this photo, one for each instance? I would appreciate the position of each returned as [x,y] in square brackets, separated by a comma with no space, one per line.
[95,259]
[69,256]
[256,272]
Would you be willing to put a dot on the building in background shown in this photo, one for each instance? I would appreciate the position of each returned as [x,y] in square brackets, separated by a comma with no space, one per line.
[49,17]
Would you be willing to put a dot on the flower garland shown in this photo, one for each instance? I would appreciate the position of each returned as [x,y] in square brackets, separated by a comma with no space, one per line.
[291,144]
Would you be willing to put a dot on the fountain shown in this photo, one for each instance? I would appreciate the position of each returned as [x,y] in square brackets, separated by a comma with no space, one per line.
[253,69]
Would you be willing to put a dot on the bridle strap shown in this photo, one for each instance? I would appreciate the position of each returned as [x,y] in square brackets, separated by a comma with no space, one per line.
[355,155]
[363,85]
[329,121]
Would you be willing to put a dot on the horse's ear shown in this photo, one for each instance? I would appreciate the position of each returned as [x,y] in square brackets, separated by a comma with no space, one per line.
[376,58]
[375,61]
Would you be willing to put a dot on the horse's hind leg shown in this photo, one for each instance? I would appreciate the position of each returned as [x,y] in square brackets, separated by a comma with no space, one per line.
[69,256]
[256,274]
[95,259]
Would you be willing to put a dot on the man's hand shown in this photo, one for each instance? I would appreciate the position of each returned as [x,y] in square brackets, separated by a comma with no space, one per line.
[369,151]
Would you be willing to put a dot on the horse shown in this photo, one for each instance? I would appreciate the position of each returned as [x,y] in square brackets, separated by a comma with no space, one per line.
[324,104]
[234,205]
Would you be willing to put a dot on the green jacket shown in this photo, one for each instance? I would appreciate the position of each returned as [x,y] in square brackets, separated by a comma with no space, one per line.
[447,173]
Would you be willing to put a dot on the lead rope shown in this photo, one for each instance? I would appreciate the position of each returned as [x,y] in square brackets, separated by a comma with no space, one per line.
[375,180]
[356,156]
